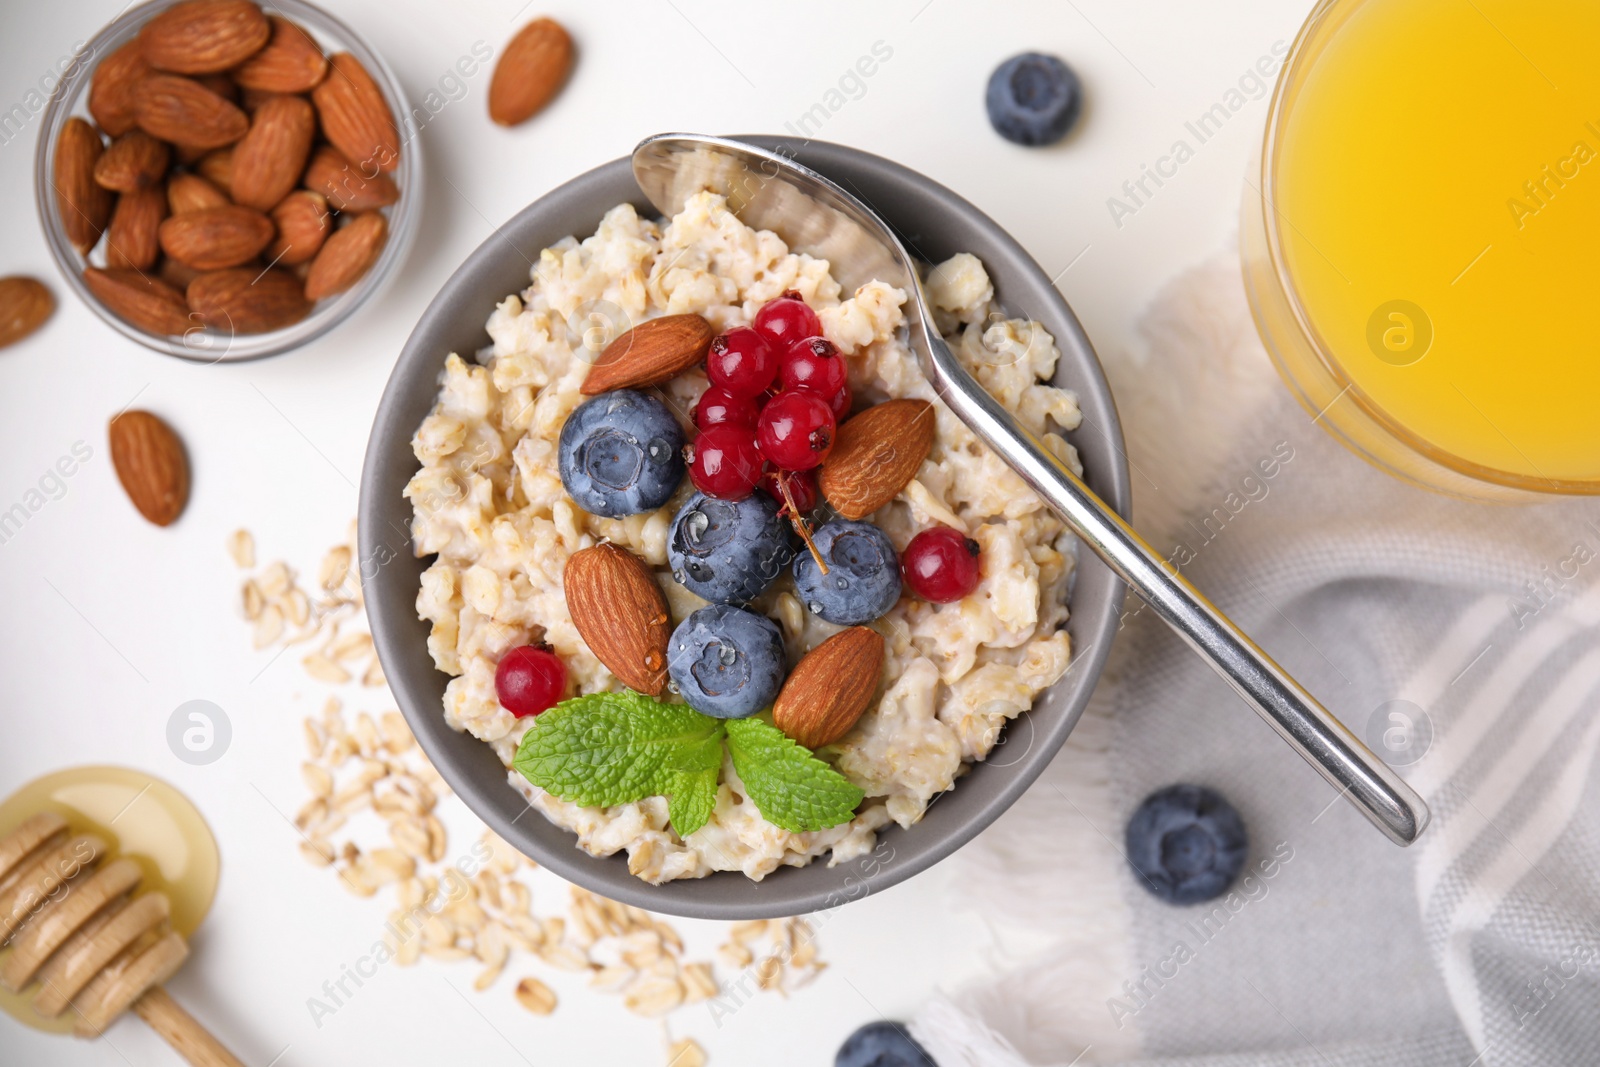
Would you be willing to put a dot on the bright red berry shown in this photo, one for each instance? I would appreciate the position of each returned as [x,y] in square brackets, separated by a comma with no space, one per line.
[741,362]
[814,364]
[839,403]
[941,565]
[718,407]
[530,680]
[786,320]
[802,487]
[725,462]
[796,430]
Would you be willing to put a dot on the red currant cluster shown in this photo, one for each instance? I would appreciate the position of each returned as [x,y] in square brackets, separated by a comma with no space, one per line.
[778,392]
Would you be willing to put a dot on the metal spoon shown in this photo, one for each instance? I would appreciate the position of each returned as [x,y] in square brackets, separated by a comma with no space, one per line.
[814,215]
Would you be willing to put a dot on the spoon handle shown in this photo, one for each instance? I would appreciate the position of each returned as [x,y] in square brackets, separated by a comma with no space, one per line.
[1347,764]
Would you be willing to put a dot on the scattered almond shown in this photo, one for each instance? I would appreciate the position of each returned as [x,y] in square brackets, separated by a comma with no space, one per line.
[151,465]
[25,304]
[529,73]
[84,204]
[133,161]
[267,163]
[150,304]
[190,192]
[204,36]
[111,91]
[621,614]
[875,455]
[337,179]
[830,687]
[303,225]
[290,63]
[215,238]
[132,239]
[245,300]
[354,116]
[183,111]
[653,352]
[347,255]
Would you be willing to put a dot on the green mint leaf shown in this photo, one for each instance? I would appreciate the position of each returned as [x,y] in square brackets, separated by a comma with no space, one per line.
[791,787]
[692,799]
[615,748]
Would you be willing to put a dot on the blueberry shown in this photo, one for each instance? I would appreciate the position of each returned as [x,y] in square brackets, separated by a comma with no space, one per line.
[881,1044]
[1033,99]
[621,454]
[863,579]
[727,662]
[1186,843]
[728,551]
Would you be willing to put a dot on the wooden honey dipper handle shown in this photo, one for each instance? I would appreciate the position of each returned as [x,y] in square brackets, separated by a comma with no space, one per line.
[182,1031]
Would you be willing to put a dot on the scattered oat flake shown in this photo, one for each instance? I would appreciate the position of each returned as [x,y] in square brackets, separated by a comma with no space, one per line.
[536,996]
[686,1053]
[242,547]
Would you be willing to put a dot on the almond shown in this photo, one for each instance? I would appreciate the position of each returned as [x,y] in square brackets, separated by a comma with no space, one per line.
[112,89]
[348,254]
[151,465]
[875,455]
[216,237]
[530,72]
[830,687]
[151,305]
[290,63]
[655,351]
[133,238]
[178,275]
[133,161]
[25,304]
[621,614]
[247,300]
[183,111]
[217,168]
[204,36]
[221,84]
[268,162]
[84,204]
[190,192]
[337,179]
[354,115]
[303,224]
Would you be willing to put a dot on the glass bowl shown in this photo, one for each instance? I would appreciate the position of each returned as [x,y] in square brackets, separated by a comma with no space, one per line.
[208,345]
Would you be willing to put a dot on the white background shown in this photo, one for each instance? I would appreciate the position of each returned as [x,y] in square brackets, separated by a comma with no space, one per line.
[109,623]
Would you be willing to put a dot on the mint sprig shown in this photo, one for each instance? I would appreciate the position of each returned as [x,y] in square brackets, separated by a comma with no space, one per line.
[792,788]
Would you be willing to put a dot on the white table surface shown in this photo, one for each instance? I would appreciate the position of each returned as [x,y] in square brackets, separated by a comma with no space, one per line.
[110,624]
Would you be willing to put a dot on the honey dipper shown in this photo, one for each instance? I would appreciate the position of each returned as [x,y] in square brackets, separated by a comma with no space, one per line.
[93,942]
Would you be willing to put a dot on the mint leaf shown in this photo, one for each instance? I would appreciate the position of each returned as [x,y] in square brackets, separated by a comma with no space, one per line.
[791,787]
[691,801]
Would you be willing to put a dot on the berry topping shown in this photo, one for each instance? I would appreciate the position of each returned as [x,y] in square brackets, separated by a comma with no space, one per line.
[796,430]
[863,579]
[941,565]
[530,680]
[1186,844]
[814,364]
[802,486]
[727,662]
[619,454]
[881,1044]
[718,407]
[728,551]
[741,362]
[725,462]
[1033,99]
[786,320]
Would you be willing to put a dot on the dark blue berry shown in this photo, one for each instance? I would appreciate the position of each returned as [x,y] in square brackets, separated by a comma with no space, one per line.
[728,551]
[863,579]
[621,454]
[882,1044]
[1186,843]
[1033,99]
[727,662]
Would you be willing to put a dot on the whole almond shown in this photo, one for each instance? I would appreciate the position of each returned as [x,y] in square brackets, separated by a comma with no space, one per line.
[346,188]
[133,161]
[190,192]
[875,455]
[151,465]
[348,254]
[355,117]
[25,304]
[216,237]
[292,62]
[248,300]
[148,303]
[84,204]
[655,351]
[830,688]
[112,88]
[133,238]
[203,36]
[216,167]
[530,71]
[268,161]
[621,614]
[183,111]
[303,224]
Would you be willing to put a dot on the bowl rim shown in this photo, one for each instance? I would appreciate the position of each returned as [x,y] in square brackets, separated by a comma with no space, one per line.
[204,345]
[391,610]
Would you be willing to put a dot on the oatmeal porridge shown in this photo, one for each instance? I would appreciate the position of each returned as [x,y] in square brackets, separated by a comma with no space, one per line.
[491,505]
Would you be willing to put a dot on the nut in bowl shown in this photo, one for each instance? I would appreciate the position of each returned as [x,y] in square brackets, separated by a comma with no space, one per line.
[223,183]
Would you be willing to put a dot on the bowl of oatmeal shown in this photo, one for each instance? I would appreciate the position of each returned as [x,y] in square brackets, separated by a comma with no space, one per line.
[469,521]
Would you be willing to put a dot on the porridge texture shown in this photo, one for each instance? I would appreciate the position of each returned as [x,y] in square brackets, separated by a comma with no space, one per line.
[489,503]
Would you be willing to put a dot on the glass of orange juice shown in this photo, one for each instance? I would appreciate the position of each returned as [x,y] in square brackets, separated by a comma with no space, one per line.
[1421,239]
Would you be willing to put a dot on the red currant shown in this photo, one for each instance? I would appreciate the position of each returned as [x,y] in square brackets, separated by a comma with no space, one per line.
[941,565]
[530,680]
[840,402]
[726,462]
[796,430]
[814,364]
[786,320]
[802,487]
[718,407]
[741,362]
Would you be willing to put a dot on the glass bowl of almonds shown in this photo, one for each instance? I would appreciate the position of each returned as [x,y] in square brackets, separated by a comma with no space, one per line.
[222,184]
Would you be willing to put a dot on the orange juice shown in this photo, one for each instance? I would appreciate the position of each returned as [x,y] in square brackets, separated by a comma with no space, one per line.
[1429,216]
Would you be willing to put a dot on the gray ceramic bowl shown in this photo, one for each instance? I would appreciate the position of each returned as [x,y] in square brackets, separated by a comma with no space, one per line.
[935,223]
